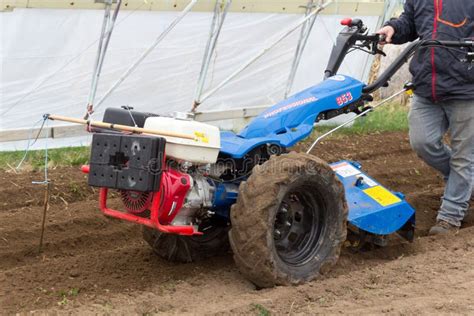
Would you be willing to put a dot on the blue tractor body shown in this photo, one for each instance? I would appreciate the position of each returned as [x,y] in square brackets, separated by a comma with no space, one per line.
[292,120]
[372,208]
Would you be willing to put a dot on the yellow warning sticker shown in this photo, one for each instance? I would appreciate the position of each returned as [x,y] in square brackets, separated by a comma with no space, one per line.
[202,137]
[383,196]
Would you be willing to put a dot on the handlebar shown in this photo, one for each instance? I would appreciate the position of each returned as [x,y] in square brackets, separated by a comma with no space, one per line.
[355,31]
[355,36]
[407,53]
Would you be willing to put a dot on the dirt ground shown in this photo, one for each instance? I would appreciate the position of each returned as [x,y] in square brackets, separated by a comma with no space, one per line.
[96,265]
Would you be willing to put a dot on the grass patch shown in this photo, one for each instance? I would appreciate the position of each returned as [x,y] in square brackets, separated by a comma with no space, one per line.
[391,118]
[60,157]
[260,310]
[67,295]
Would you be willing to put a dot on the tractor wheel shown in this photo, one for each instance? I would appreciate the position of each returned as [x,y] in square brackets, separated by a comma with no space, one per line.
[185,249]
[289,222]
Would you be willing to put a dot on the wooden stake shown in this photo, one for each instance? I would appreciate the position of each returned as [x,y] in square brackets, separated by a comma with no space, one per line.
[45,209]
[120,127]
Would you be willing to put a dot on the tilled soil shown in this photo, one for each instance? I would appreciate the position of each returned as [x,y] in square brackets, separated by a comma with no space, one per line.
[92,264]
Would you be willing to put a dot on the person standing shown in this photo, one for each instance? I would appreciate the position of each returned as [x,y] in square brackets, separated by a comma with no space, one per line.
[443,100]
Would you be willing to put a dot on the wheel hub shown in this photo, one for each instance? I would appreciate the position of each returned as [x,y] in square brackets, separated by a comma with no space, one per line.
[297,228]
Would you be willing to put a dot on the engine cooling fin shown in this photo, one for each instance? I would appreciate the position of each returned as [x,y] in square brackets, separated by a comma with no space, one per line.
[136,202]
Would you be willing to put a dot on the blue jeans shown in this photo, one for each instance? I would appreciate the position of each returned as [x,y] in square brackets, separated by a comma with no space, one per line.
[429,122]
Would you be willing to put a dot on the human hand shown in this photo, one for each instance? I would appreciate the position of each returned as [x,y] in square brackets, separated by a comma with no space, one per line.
[387,32]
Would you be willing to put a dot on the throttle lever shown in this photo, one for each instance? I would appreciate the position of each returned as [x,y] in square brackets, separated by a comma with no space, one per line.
[376,49]
[381,52]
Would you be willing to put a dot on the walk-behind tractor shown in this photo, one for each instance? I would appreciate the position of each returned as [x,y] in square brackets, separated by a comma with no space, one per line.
[284,214]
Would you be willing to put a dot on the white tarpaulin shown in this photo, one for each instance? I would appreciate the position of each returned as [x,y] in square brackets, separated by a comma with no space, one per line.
[36,43]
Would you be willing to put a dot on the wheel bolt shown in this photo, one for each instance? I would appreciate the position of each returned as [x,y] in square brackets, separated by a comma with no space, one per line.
[277,234]
[287,223]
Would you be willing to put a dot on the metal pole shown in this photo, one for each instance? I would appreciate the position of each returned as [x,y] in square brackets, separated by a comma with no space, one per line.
[281,37]
[220,12]
[90,99]
[45,210]
[355,118]
[103,46]
[107,39]
[305,32]
[147,52]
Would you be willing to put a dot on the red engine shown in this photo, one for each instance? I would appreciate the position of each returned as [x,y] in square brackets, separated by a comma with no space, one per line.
[152,193]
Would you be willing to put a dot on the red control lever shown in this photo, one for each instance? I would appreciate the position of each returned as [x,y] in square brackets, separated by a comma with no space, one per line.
[346,22]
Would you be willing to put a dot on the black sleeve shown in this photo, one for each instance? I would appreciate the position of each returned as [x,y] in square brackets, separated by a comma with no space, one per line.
[405,29]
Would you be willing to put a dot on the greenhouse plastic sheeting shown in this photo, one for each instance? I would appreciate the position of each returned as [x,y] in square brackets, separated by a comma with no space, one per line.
[37,43]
